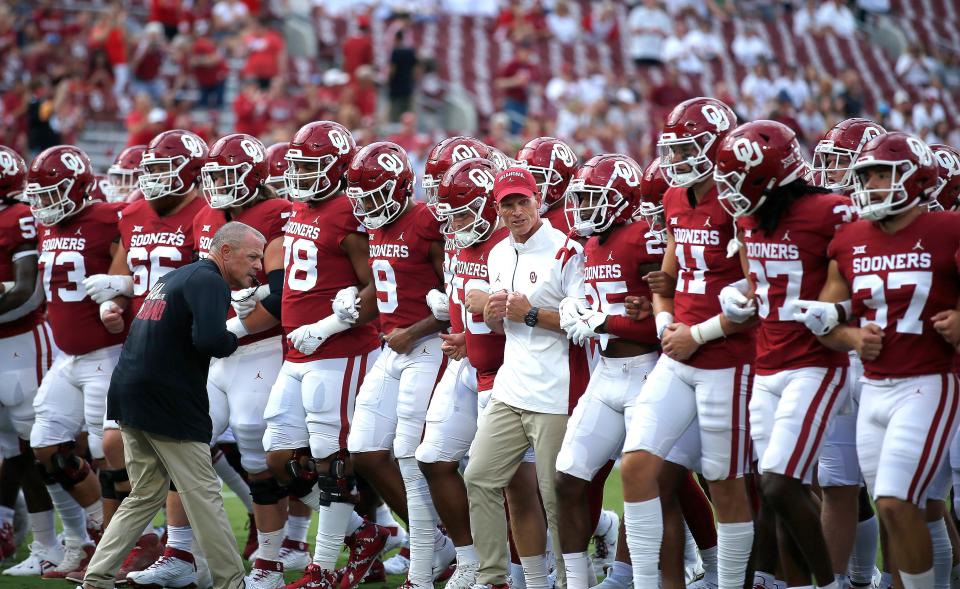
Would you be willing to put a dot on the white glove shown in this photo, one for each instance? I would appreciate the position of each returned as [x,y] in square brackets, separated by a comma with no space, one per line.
[439,304]
[820,318]
[103,287]
[570,309]
[346,305]
[245,301]
[307,338]
[585,327]
[236,326]
[108,306]
[735,305]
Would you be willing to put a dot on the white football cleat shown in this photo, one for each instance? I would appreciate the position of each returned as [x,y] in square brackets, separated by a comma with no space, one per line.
[398,564]
[175,569]
[295,556]
[464,577]
[42,559]
[443,557]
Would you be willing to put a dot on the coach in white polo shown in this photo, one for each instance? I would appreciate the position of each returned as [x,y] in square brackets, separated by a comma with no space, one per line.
[530,272]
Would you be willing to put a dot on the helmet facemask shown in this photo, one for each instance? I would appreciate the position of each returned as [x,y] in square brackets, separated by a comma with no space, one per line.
[51,204]
[592,209]
[545,178]
[653,215]
[120,183]
[473,231]
[431,191]
[689,152]
[224,186]
[375,208]
[731,198]
[875,204]
[830,160]
[161,176]
[306,178]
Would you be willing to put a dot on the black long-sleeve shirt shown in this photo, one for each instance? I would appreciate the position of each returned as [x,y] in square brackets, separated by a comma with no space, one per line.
[160,382]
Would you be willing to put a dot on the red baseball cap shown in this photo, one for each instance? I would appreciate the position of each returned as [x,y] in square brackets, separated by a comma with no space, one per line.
[514,181]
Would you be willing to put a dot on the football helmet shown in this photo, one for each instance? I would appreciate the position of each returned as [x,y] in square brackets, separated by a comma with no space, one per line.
[171,164]
[945,196]
[465,202]
[442,157]
[235,171]
[690,137]
[317,159]
[605,191]
[59,180]
[502,162]
[913,176]
[379,183]
[835,154]
[752,160]
[553,164]
[13,174]
[276,166]
[123,174]
[652,187]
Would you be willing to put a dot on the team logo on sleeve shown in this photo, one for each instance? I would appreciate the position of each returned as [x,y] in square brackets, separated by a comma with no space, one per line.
[73,163]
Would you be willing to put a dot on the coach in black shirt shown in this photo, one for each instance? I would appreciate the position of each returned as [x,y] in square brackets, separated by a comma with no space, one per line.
[158,394]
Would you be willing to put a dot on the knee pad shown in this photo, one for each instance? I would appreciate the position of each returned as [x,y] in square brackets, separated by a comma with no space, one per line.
[267,491]
[106,485]
[66,468]
[302,469]
[334,485]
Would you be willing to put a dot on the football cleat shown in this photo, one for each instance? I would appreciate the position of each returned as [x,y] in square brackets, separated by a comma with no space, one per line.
[365,545]
[444,560]
[605,542]
[294,555]
[42,559]
[175,569]
[315,577]
[376,574]
[399,563]
[144,553]
[8,547]
[75,558]
[265,574]
[464,577]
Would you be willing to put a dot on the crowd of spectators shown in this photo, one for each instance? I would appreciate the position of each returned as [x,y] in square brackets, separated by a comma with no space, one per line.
[158,64]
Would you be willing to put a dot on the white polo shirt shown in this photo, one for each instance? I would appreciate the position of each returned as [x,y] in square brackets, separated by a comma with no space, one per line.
[536,374]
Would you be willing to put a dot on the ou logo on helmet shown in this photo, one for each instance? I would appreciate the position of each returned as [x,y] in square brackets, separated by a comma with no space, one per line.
[748,152]
[252,149]
[946,159]
[8,165]
[73,162]
[339,140]
[715,116]
[623,169]
[464,152]
[193,144]
[390,162]
[920,149]
[869,133]
[564,154]
[481,178]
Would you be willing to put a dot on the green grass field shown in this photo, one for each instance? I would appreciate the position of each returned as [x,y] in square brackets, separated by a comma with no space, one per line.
[613,499]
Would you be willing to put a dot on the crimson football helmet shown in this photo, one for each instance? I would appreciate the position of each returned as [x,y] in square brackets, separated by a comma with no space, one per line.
[317,159]
[465,202]
[752,160]
[945,196]
[553,164]
[442,157]
[122,175]
[605,191]
[171,164]
[13,174]
[58,183]
[276,166]
[689,140]
[235,171]
[502,161]
[652,187]
[379,183]
[913,176]
[835,154]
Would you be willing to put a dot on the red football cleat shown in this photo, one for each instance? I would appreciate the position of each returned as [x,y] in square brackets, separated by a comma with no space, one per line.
[365,546]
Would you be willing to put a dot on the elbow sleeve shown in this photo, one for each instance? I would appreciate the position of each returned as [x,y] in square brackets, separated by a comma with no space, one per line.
[272,301]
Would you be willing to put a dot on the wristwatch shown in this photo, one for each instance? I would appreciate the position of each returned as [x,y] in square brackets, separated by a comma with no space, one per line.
[532,316]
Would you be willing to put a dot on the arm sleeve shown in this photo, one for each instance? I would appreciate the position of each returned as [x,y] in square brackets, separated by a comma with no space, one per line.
[272,301]
[644,332]
[208,298]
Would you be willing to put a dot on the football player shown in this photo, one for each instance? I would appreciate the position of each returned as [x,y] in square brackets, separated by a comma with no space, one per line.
[26,347]
[77,240]
[849,523]
[553,164]
[599,203]
[799,385]
[442,157]
[276,166]
[946,196]
[406,261]
[310,406]
[701,383]
[123,174]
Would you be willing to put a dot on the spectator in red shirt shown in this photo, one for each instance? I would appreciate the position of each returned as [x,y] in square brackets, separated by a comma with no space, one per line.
[358,49]
[168,13]
[209,71]
[249,109]
[266,54]
[514,80]
[148,58]
[108,33]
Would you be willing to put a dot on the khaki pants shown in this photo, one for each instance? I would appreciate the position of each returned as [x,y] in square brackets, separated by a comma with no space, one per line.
[503,435]
[152,461]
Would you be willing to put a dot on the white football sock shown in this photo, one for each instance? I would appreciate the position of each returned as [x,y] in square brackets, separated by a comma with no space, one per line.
[73,516]
[94,513]
[332,524]
[43,527]
[709,558]
[297,527]
[689,547]
[621,572]
[270,542]
[422,522]
[467,554]
[234,481]
[385,517]
[942,553]
[644,523]
[516,575]
[180,537]
[576,565]
[535,571]
[924,580]
[355,522]
[863,559]
[604,523]
[734,542]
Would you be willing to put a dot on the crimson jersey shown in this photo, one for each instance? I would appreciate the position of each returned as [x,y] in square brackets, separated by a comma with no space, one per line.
[316,268]
[701,233]
[17,229]
[155,245]
[613,269]
[71,250]
[899,282]
[401,266]
[267,216]
[789,264]
[484,348]
[557,216]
